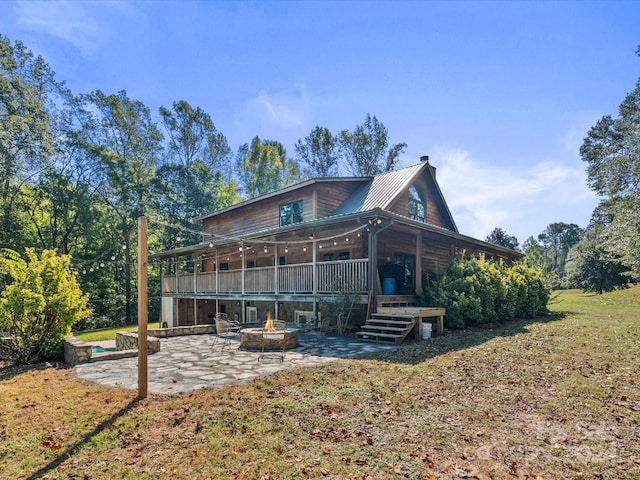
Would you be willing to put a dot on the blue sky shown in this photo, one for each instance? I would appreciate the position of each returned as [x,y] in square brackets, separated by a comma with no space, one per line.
[499,94]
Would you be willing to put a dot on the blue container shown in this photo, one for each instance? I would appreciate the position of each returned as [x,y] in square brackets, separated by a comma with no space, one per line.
[389,286]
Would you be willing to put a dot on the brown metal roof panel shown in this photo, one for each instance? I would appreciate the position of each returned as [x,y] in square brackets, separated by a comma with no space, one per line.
[380,191]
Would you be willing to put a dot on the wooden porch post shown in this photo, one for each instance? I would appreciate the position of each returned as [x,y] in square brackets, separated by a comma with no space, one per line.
[276,262]
[195,290]
[142,307]
[373,267]
[314,273]
[176,277]
[418,261]
[242,260]
[217,268]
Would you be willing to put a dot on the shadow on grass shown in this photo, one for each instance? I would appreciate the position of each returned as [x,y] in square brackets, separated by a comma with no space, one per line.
[9,369]
[451,341]
[72,450]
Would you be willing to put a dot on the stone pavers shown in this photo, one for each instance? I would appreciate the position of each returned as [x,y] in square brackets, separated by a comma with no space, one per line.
[187,363]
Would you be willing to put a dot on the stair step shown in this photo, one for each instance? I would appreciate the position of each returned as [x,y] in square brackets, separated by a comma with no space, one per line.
[382,321]
[394,316]
[379,337]
[375,328]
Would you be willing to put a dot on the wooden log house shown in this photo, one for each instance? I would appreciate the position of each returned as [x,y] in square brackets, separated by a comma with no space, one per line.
[383,237]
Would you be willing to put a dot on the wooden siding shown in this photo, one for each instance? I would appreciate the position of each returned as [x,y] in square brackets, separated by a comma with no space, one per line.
[436,211]
[258,216]
[319,201]
[332,195]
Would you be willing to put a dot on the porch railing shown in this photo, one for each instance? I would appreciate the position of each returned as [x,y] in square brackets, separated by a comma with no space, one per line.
[291,279]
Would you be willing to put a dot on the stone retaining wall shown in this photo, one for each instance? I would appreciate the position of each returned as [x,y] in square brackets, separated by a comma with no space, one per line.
[179,331]
[129,341]
[76,351]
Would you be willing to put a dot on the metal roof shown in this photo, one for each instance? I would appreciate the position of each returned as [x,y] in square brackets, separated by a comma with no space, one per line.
[380,191]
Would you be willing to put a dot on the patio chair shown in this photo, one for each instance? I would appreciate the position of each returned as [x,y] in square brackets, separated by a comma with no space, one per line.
[306,325]
[226,330]
[269,338]
[323,328]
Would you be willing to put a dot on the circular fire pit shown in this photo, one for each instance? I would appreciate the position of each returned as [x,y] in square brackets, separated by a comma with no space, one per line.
[251,339]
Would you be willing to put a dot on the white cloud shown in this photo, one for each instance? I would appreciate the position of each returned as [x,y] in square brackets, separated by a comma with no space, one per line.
[275,114]
[70,21]
[521,201]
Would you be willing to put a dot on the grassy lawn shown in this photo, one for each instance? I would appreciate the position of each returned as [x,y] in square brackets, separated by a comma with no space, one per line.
[555,398]
[107,333]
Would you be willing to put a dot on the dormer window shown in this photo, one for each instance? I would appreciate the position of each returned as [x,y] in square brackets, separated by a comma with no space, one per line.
[291,213]
[417,209]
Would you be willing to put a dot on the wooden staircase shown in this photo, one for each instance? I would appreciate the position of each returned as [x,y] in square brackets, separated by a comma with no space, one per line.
[387,327]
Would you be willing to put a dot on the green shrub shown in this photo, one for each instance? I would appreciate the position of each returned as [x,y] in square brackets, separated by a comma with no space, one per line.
[476,292]
[40,302]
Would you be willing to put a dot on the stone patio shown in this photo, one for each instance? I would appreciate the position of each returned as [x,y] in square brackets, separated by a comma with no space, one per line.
[187,363]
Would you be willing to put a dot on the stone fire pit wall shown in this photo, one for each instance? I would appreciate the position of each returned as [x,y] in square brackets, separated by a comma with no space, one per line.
[251,339]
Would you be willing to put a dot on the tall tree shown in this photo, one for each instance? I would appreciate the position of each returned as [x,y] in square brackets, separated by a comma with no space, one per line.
[28,90]
[192,136]
[192,180]
[366,150]
[318,152]
[612,153]
[557,239]
[126,144]
[264,167]
[499,237]
[592,267]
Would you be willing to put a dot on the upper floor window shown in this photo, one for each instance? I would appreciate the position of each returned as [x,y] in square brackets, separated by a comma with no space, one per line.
[417,210]
[291,213]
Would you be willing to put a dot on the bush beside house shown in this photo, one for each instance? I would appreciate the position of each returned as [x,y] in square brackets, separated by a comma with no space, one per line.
[477,292]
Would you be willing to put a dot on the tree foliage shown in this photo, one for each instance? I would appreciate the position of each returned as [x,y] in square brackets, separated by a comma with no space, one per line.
[592,267]
[319,153]
[366,149]
[611,151]
[39,304]
[501,238]
[264,167]
[125,143]
[192,136]
[557,240]
[27,92]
